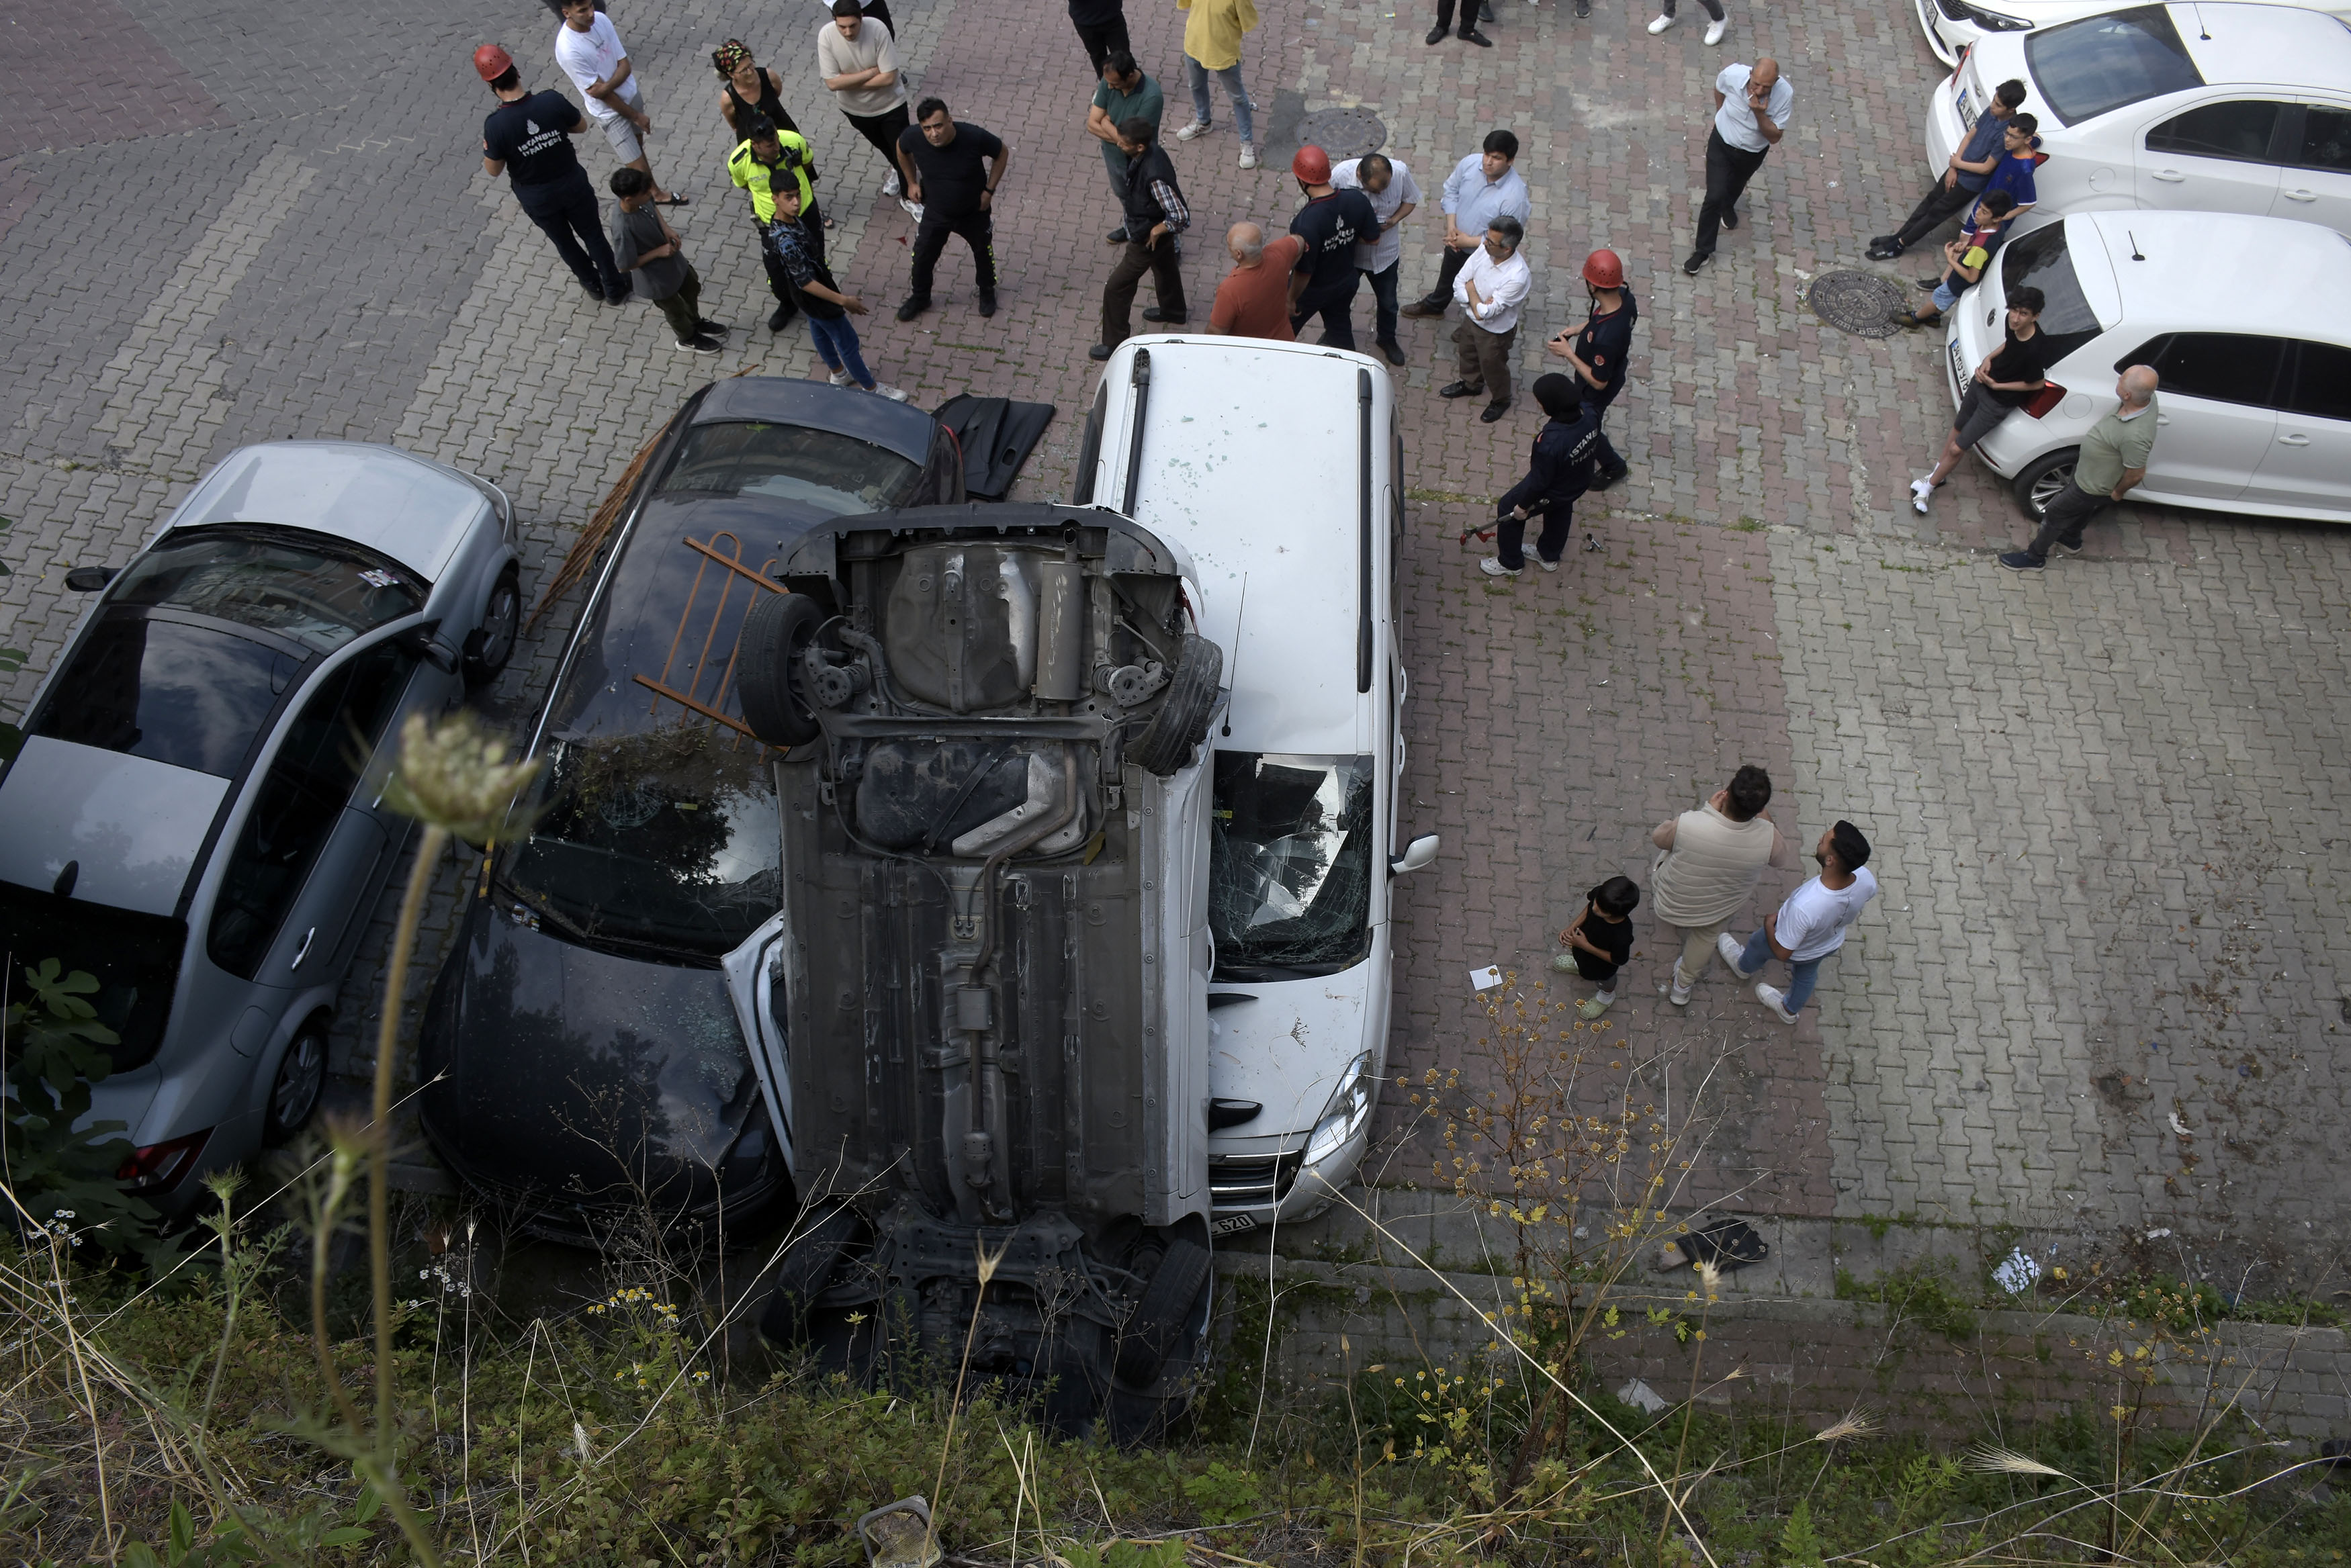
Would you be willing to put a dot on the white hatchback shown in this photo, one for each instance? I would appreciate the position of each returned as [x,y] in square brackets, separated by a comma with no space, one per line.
[2219,108]
[1953,27]
[2246,319]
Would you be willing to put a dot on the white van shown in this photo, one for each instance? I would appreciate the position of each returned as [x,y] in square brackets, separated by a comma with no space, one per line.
[1277,467]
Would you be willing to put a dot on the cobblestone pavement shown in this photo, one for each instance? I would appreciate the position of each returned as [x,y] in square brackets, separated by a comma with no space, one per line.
[2110,853]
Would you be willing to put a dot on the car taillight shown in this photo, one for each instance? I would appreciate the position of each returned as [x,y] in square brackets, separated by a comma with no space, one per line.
[160,1166]
[1962,64]
[2050,395]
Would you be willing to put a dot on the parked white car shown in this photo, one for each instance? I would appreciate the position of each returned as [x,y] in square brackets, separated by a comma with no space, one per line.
[1953,27]
[1277,466]
[2220,107]
[2246,319]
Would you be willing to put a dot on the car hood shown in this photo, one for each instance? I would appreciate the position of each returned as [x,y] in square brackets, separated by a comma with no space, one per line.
[414,511]
[130,826]
[1287,1048]
[592,1083]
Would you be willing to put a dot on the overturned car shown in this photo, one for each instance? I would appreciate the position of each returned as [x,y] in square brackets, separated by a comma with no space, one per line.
[989,982]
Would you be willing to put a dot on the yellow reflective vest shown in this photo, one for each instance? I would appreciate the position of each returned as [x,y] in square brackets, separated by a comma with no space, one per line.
[749,174]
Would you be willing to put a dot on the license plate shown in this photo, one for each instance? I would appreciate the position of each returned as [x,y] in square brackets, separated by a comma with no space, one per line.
[1967,111]
[1232,1224]
[1959,368]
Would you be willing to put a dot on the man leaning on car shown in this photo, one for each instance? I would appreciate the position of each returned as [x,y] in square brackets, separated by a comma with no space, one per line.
[2113,459]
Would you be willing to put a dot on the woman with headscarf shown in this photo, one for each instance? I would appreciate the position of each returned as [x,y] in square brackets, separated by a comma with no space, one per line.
[1560,470]
[749,90]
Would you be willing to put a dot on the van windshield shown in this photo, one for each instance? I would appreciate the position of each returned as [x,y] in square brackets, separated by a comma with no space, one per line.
[1289,865]
[2100,64]
[2040,260]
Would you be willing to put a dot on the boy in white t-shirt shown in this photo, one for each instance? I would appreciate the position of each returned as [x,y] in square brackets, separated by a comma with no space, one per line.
[590,52]
[1810,925]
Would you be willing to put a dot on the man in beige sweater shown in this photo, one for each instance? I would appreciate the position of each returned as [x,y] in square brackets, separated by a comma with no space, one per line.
[1710,860]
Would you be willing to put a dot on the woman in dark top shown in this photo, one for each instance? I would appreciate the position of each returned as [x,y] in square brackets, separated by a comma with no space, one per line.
[751,89]
[2008,379]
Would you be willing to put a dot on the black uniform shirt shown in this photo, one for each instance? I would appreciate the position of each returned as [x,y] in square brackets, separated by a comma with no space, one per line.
[529,137]
[1331,226]
[1603,344]
[1561,467]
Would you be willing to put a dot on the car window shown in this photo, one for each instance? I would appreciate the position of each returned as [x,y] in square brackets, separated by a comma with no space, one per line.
[838,473]
[2092,67]
[317,592]
[163,689]
[2041,260]
[134,958]
[2240,129]
[2224,367]
[2325,140]
[2322,385]
[1289,865]
[295,806]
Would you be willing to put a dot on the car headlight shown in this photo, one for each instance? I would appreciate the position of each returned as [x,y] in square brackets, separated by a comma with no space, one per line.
[1344,1118]
[1994,21]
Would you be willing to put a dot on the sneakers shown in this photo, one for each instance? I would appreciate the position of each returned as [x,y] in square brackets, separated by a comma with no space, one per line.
[1913,319]
[1602,481]
[781,317]
[1194,132]
[1732,954]
[1249,154]
[701,343]
[2062,548]
[1661,24]
[1595,1006]
[2022,561]
[1698,259]
[891,187]
[1492,567]
[840,379]
[1676,992]
[1729,218]
[988,302]
[716,329]
[913,209]
[1546,565]
[1884,247]
[884,389]
[912,306]
[1920,490]
[1775,1002]
[1715,30]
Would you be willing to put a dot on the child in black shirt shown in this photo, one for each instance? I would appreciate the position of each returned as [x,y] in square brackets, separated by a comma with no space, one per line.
[1600,941]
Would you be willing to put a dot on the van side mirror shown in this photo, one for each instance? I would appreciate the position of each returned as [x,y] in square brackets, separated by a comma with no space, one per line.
[1416,854]
[90,579]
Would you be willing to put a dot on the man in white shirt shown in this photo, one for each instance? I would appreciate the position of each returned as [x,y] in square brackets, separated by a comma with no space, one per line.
[1393,194]
[590,53]
[1810,925]
[1751,113]
[1493,286]
[1482,187]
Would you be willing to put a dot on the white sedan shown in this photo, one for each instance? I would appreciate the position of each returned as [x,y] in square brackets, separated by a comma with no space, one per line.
[1953,27]
[2220,107]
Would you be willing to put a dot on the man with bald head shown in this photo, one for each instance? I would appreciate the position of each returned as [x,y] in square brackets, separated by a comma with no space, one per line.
[2113,460]
[1750,114]
[1254,299]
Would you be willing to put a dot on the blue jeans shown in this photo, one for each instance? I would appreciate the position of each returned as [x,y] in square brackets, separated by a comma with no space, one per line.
[1944,296]
[1800,976]
[1198,75]
[836,341]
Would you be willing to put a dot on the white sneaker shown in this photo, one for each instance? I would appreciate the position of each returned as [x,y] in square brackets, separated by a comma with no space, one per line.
[839,378]
[1661,24]
[1715,30]
[1546,565]
[1193,131]
[885,390]
[1732,954]
[890,187]
[1249,154]
[1774,999]
[1677,993]
[1492,567]
[1919,491]
[913,209]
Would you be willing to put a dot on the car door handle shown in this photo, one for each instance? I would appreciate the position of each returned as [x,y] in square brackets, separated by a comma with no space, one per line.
[2300,195]
[2169,176]
[304,951]
[2294,440]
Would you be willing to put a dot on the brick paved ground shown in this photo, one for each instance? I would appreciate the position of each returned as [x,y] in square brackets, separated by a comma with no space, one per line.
[2100,797]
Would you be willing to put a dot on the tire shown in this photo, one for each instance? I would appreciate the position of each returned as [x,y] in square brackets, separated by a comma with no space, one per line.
[2038,482]
[806,1268]
[492,644]
[775,633]
[1160,1317]
[294,1088]
[1182,721]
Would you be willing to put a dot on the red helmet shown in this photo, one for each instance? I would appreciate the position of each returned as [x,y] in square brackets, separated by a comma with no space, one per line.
[1312,165]
[1604,269]
[492,62]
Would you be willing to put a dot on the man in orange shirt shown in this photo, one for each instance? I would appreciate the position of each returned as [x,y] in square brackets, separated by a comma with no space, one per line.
[1254,299]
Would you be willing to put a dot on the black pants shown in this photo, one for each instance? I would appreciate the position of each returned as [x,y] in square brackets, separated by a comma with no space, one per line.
[566,209]
[1447,271]
[931,239]
[683,309]
[2063,520]
[1604,451]
[1103,41]
[1728,170]
[1118,295]
[879,11]
[1384,300]
[1511,534]
[1468,16]
[881,129]
[1335,304]
[1934,209]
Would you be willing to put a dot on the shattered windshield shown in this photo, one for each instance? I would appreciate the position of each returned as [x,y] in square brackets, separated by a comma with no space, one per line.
[320,593]
[1289,865]
[819,468]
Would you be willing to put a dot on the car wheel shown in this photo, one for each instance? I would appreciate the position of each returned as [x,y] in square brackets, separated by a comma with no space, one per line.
[807,1267]
[775,633]
[1158,1320]
[1182,721]
[2042,480]
[492,643]
[294,1092]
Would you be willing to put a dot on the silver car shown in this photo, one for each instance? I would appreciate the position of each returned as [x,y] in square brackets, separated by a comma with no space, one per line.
[196,815]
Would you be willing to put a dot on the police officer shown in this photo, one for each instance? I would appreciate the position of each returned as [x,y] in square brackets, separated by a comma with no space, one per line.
[528,138]
[1560,470]
[764,159]
[1331,224]
[1597,353]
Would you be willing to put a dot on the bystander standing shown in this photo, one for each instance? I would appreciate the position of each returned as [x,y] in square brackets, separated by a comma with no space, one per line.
[1482,187]
[647,249]
[590,51]
[877,9]
[528,138]
[748,88]
[1809,925]
[1101,29]
[1394,193]
[1490,289]
[2112,461]
[1253,300]
[1600,940]
[1708,861]
[1751,104]
[1597,354]
[858,58]
[1469,33]
[1155,214]
[952,170]
[1331,224]
[1212,48]
[767,161]
[1716,27]
[1124,93]
[828,310]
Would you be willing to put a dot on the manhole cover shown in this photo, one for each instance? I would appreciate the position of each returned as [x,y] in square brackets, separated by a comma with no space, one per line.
[1861,302]
[1344,133]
